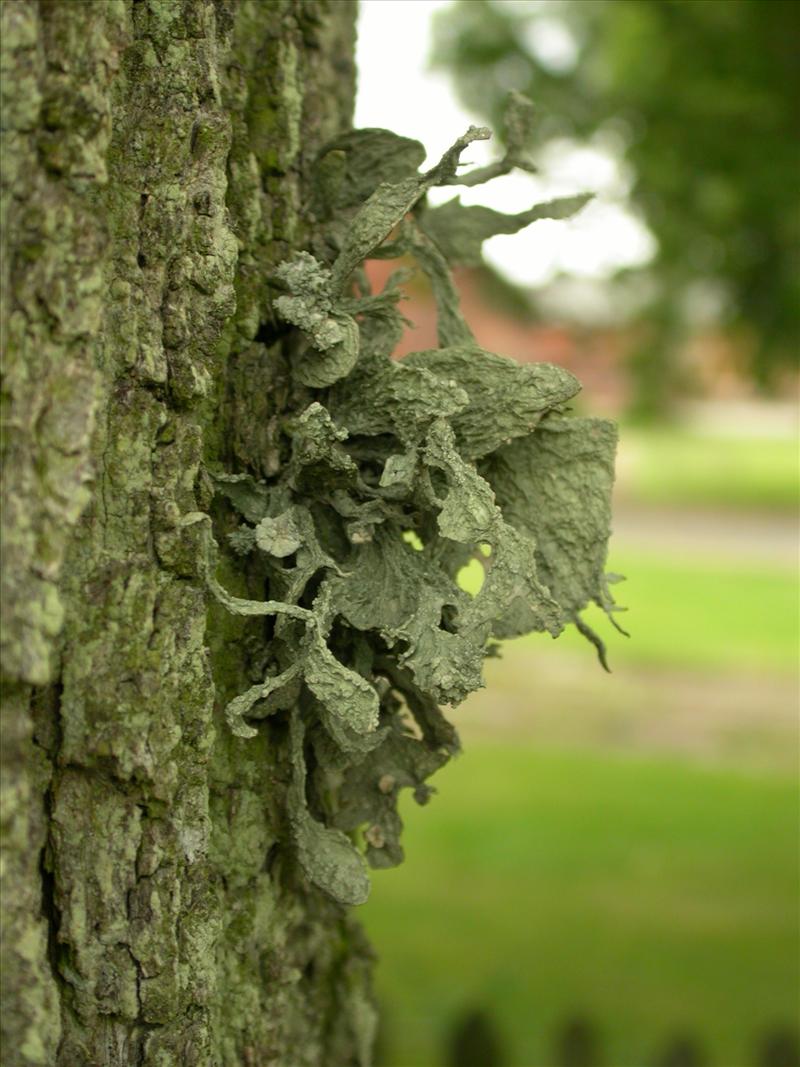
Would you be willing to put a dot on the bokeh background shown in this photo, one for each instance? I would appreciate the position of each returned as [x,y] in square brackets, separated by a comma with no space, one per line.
[609,873]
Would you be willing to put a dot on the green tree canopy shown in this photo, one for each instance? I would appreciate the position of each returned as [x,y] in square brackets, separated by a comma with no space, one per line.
[702,97]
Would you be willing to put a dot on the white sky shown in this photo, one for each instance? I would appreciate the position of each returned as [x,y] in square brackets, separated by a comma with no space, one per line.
[396,91]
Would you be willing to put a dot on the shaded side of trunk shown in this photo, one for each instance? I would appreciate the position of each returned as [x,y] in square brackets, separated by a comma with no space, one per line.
[153,173]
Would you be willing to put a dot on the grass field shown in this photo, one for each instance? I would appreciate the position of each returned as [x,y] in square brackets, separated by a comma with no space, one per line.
[623,847]
[647,895]
[698,612]
[680,467]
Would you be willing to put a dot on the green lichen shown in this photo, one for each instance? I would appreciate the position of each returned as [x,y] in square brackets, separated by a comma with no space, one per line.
[152,176]
[396,475]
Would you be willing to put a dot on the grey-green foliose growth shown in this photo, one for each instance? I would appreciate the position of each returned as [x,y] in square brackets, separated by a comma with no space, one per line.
[396,475]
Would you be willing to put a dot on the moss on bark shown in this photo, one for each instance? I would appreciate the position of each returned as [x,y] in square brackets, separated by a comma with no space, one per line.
[154,160]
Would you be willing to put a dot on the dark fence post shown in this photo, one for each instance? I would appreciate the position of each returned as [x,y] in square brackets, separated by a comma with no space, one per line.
[475,1041]
[682,1050]
[779,1047]
[577,1044]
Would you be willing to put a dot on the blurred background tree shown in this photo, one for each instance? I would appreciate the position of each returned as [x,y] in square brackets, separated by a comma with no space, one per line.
[609,874]
[699,99]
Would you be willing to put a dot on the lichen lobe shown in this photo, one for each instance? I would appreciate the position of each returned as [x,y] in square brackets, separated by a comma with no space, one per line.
[399,474]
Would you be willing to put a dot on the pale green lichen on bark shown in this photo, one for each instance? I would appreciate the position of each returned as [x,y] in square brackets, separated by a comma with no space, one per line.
[468,454]
[153,163]
[51,300]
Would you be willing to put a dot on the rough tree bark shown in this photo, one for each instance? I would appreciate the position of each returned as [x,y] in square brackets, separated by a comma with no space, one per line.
[153,173]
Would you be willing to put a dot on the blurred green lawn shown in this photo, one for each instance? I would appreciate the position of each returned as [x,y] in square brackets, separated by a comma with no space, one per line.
[677,466]
[697,612]
[650,896]
[639,889]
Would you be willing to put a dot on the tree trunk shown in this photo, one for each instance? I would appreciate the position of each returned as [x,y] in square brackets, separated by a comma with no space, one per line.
[154,160]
